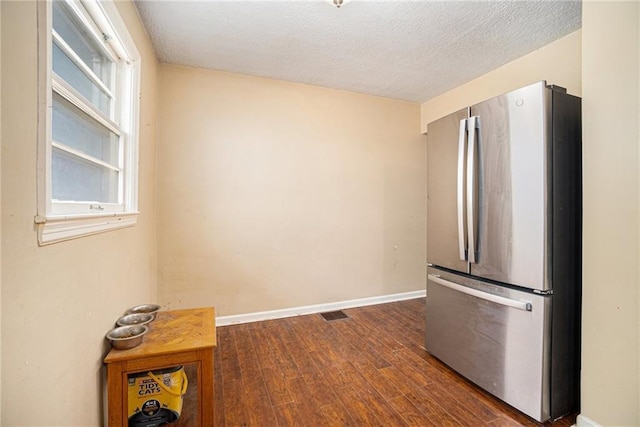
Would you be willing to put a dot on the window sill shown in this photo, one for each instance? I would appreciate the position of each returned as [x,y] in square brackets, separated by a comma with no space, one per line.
[54,229]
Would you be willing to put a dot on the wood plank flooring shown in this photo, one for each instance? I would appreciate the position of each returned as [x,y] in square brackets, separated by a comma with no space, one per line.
[369,369]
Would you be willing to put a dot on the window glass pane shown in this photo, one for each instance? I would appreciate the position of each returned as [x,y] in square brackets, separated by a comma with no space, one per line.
[75,129]
[76,179]
[69,71]
[69,27]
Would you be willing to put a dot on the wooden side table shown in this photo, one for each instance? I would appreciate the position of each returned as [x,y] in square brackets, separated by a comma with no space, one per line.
[175,338]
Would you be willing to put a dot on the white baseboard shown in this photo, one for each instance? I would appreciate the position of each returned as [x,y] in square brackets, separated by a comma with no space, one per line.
[582,421]
[318,308]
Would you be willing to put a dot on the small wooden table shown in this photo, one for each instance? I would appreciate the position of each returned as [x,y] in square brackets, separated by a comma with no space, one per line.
[175,338]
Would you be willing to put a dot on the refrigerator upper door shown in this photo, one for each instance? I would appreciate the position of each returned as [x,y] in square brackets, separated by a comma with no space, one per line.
[512,143]
[446,226]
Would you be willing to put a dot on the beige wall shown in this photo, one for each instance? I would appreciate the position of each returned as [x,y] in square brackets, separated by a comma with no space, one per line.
[558,63]
[611,322]
[276,195]
[0,212]
[59,301]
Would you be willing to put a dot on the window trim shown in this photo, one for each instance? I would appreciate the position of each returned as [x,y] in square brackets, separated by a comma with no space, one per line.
[56,227]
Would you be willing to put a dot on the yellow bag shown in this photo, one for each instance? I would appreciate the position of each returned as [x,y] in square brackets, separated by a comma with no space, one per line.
[155,398]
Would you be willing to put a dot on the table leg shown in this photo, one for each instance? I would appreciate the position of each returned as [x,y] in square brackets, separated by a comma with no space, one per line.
[207,387]
[114,394]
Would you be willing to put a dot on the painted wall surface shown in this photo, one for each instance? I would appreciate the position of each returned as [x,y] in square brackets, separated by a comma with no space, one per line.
[277,195]
[558,63]
[59,301]
[611,285]
[0,213]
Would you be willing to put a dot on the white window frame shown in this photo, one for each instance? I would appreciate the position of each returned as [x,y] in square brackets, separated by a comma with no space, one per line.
[59,221]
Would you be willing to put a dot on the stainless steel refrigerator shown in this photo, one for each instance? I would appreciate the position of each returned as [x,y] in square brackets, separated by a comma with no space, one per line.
[504,247]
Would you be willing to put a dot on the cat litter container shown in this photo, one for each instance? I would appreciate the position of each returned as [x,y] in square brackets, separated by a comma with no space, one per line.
[156,397]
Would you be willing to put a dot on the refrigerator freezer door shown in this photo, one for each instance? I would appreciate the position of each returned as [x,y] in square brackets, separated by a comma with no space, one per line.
[444,152]
[494,336]
[512,156]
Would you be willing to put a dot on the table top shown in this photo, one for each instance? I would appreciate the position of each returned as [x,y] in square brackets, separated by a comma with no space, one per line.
[171,332]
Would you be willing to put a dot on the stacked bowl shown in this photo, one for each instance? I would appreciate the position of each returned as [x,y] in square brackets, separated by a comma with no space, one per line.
[132,326]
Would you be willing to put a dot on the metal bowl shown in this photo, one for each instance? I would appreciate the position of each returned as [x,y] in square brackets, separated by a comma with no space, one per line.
[134,319]
[151,309]
[124,337]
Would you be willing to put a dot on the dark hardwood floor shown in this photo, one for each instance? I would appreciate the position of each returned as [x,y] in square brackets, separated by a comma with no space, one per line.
[368,369]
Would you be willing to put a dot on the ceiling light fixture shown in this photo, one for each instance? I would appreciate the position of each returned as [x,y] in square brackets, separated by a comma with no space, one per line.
[338,3]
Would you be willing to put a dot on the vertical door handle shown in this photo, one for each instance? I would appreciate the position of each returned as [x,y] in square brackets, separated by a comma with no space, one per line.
[472,192]
[462,229]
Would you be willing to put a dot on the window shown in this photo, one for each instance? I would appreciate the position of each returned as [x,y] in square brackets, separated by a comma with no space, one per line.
[87,152]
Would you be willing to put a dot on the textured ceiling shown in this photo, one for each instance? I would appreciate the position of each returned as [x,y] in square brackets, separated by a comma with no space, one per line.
[409,50]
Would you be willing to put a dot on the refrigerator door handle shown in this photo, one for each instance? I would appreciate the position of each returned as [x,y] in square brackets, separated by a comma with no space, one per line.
[520,305]
[462,229]
[474,123]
